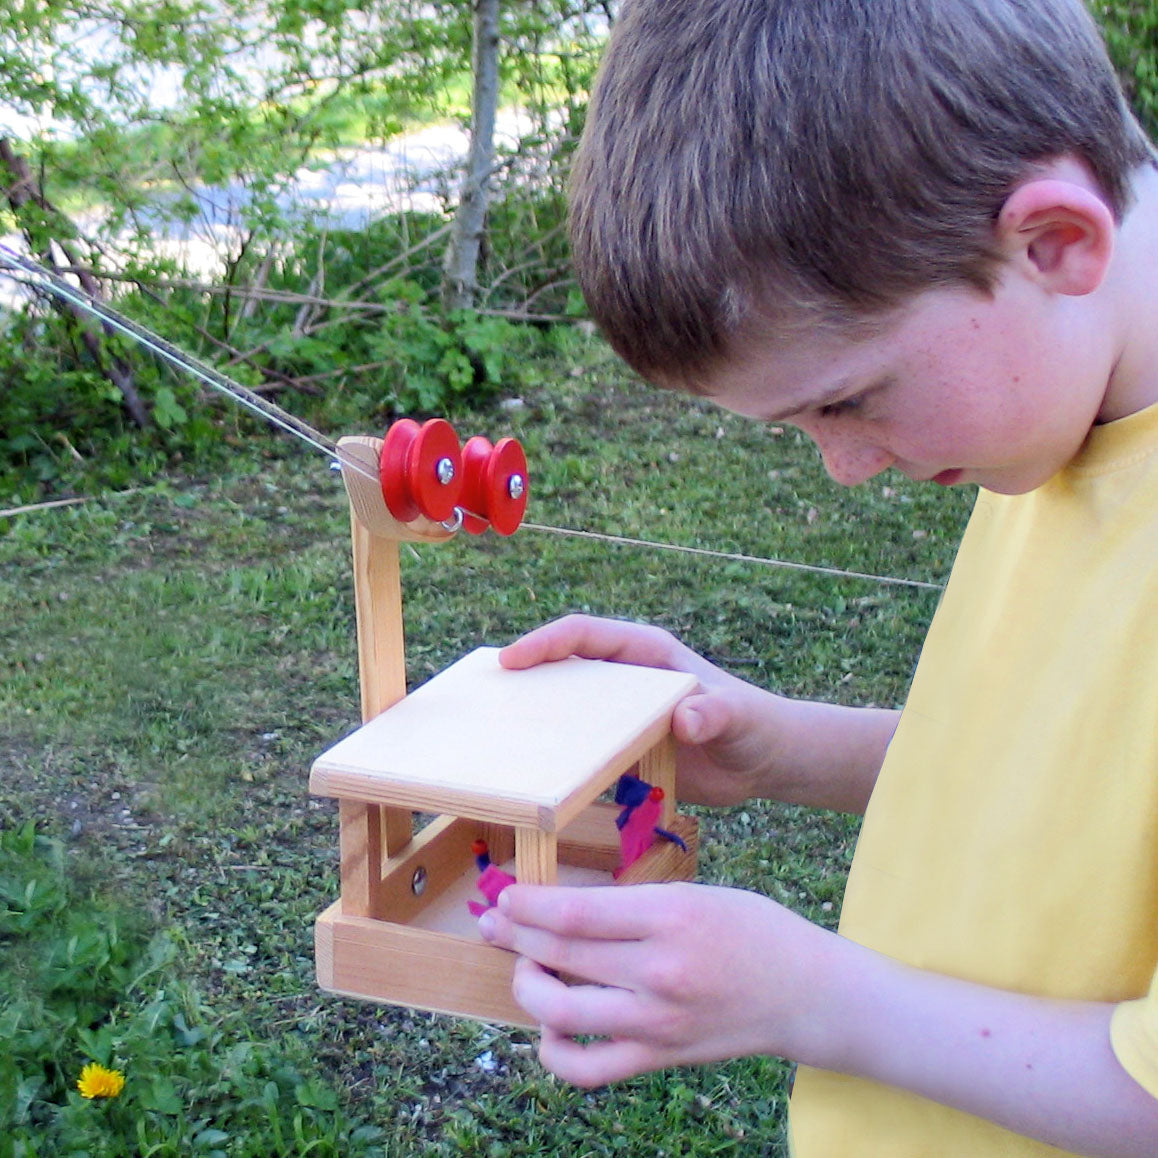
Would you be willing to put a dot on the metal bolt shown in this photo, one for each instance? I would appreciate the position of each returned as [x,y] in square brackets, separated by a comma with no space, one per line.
[445,471]
[516,486]
[418,881]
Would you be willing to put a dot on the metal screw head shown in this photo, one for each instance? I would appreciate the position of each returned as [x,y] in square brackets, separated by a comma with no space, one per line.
[516,486]
[444,469]
[418,881]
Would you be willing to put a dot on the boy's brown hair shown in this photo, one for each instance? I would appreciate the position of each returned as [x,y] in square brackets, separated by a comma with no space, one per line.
[825,159]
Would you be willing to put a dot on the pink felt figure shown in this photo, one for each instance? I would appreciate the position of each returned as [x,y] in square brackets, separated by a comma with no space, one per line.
[638,831]
[492,880]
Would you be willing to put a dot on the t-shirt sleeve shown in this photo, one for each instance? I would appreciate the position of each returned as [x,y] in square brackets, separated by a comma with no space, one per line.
[1134,1038]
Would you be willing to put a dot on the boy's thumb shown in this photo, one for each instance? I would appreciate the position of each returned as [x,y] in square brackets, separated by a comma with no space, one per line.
[694,721]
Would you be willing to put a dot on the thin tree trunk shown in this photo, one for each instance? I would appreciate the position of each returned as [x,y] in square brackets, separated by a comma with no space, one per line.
[460,284]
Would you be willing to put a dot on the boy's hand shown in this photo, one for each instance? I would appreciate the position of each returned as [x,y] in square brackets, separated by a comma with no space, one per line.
[685,974]
[723,754]
[681,974]
[734,741]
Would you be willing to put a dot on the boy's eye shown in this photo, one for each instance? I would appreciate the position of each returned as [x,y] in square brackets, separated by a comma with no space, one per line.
[844,406]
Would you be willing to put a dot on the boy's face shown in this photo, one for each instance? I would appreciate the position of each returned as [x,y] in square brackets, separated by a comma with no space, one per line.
[962,387]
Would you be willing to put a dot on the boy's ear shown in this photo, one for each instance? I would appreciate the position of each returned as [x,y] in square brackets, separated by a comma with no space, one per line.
[1059,232]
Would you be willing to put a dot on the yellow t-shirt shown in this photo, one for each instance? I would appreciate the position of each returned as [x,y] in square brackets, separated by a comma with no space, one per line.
[1012,837]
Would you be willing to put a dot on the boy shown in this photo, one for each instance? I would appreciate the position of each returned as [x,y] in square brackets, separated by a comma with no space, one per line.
[926,233]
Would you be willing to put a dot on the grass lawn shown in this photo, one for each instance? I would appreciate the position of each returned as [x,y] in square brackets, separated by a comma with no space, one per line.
[171,661]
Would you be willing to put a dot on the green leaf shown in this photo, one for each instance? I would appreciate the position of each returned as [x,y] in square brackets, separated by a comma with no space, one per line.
[167,411]
[316,1095]
[161,1096]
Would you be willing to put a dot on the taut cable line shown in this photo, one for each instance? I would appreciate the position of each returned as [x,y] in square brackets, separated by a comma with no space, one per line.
[32,273]
[733,556]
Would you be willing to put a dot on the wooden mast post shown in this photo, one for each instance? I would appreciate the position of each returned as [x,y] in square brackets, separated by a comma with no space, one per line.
[370,833]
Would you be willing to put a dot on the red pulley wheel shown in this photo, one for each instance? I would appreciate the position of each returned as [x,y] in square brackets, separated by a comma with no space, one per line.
[392,470]
[434,469]
[494,493]
[505,485]
[420,469]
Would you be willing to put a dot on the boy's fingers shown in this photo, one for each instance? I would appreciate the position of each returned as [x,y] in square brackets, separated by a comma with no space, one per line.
[598,961]
[591,638]
[596,1064]
[535,647]
[592,912]
[601,1010]
[565,1011]
[572,635]
[597,934]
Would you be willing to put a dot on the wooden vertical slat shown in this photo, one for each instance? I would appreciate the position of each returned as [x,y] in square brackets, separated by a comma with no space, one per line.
[362,854]
[657,767]
[500,840]
[536,856]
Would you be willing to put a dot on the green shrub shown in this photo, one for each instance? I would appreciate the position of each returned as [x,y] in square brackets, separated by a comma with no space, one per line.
[64,423]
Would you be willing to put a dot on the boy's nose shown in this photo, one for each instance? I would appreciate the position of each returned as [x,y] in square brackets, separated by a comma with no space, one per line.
[850,462]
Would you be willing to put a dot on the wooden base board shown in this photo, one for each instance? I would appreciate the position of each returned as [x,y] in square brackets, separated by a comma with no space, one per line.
[399,965]
[447,972]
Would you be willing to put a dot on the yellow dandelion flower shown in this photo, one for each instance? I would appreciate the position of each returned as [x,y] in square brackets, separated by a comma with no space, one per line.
[96,1081]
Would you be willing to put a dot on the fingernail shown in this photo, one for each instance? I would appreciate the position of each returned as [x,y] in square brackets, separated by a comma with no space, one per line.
[486,926]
